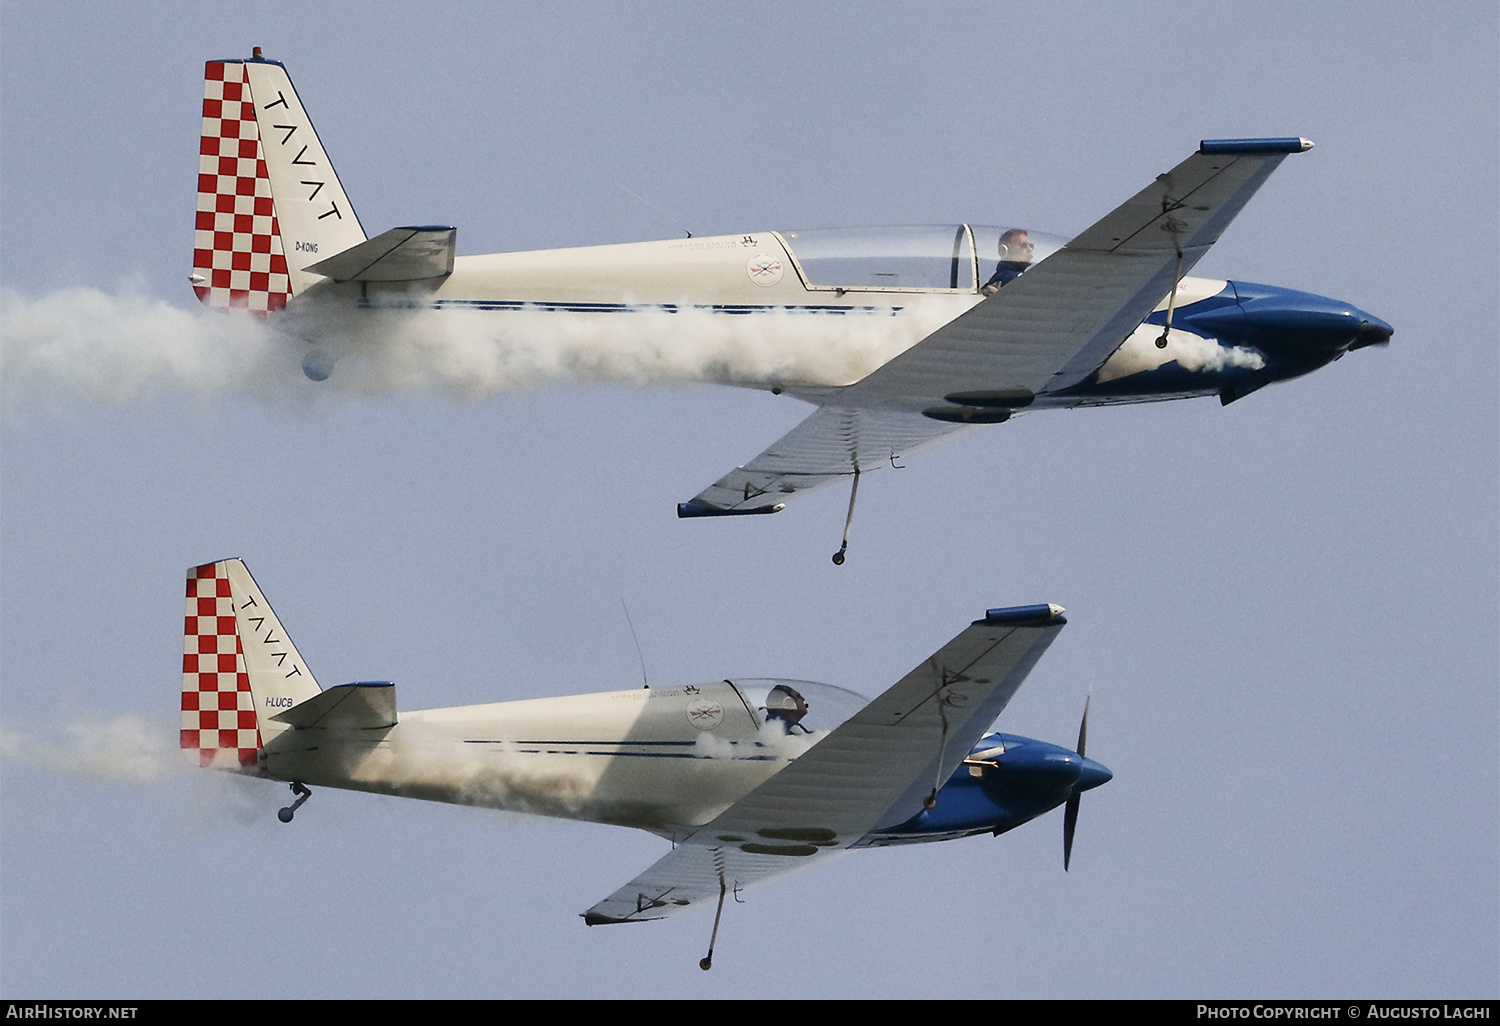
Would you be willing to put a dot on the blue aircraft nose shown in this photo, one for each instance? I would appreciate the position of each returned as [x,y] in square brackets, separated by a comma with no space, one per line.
[1373,332]
[1091,775]
[1299,327]
[1037,764]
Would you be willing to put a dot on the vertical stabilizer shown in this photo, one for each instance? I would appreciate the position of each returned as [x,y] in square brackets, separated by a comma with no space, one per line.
[269,202]
[238,668]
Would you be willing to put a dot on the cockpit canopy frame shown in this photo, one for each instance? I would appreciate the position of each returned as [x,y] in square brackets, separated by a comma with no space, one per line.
[951,258]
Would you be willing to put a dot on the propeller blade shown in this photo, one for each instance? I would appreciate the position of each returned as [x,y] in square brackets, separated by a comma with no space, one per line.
[1070,811]
[1070,823]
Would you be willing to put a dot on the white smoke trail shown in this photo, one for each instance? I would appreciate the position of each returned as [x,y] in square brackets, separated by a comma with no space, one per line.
[132,748]
[430,763]
[86,346]
[475,353]
[773,740]
[1191,352]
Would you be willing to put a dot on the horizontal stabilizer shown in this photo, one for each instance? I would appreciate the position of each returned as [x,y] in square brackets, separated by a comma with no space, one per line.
[365,706]
[401,254]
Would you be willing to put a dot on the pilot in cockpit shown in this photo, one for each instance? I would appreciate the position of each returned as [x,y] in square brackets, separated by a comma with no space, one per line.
[788,706]
[1016,252]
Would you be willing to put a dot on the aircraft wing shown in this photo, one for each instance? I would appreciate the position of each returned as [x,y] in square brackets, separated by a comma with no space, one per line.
[1048,329]
[873,771]
[823,447]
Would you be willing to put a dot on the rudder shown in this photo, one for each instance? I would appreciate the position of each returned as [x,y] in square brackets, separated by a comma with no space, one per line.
[237,663]
[269,201]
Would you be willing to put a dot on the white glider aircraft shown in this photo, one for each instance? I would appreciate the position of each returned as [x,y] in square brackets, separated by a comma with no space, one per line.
[747,778]
[974,323]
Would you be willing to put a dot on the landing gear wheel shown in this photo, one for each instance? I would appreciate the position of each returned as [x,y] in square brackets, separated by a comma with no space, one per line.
[300,790]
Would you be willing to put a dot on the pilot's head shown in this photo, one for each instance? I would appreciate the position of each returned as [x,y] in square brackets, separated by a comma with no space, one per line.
[785,704]
[1016,246]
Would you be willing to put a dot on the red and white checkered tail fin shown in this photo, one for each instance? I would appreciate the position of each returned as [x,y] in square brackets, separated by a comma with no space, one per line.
[269,202]
[238,668]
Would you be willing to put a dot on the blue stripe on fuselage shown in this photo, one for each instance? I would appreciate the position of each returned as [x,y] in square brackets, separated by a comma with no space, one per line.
[672,308]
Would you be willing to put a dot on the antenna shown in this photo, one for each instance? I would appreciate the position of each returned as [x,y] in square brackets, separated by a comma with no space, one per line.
[644,682]
[665,216]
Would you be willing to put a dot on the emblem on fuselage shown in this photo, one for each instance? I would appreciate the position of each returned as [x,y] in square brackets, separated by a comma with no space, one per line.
[764,269]
[705,714]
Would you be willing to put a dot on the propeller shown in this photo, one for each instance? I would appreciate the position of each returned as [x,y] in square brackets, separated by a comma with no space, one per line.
[1070,811]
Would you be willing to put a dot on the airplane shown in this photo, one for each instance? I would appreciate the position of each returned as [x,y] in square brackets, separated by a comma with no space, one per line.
[748,778]
[899,336]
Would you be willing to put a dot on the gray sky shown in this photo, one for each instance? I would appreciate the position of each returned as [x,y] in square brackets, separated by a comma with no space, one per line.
[1286,609]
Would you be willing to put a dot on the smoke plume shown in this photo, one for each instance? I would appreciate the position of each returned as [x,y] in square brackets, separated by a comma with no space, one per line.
[1191,352]
[86,346]
[131,748]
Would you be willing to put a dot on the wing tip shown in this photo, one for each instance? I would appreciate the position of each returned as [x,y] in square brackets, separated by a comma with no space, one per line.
[1043,614]
[701,508]
[1264,147]
[592,918]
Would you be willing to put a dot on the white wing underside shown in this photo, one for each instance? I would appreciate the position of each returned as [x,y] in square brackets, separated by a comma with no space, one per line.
[818,450]
[872,772]
[1047,330]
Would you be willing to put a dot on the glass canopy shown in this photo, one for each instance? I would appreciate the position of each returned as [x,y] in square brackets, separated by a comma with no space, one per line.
[950,258]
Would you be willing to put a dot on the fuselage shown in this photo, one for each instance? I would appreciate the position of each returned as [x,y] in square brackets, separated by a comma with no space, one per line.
[666,760]
[810,311]
[661,759]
